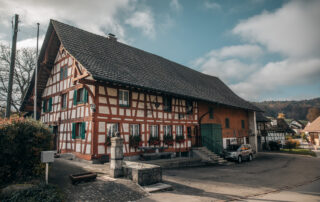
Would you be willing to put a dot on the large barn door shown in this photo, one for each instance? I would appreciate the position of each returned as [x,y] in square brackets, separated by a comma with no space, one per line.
[212,137]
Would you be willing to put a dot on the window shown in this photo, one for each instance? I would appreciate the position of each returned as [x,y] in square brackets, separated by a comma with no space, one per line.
[189,107]
[134,130]
[63,72]
[47,105]
[179,130]
[78,130]
[167,130]
[64,101]
[124,98]
[112,129]
[227,123]
[80,96]
[228,142]
[167,104]
[154,131]
[242,124]
[210,112]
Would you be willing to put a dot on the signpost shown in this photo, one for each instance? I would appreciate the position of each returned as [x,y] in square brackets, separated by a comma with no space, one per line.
[47,157]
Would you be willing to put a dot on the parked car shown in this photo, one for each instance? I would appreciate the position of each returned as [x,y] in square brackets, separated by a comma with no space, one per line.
[238,153]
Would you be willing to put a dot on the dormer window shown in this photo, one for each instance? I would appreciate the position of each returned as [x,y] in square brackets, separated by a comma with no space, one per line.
[124,98]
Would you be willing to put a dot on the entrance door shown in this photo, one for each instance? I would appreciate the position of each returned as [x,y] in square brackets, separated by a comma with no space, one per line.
[55,137]
[211,135]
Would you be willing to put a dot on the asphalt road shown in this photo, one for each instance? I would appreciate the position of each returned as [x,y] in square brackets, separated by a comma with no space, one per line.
[269,177]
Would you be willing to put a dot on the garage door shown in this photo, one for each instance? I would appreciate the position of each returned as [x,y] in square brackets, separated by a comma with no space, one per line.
[211,135]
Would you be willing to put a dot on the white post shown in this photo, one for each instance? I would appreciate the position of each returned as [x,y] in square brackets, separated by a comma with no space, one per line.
[47,172]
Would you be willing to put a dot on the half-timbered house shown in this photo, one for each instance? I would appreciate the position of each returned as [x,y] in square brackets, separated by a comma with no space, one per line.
[91,87]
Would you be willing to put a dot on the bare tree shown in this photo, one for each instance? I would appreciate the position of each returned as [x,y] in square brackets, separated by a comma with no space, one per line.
[25,64]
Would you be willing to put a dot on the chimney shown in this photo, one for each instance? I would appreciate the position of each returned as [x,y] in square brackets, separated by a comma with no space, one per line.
[112,37]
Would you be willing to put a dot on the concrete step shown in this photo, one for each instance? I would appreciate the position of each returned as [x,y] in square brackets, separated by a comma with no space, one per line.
[157,187]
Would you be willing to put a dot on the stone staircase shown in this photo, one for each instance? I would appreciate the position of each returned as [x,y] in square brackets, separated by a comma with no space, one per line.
[209,157]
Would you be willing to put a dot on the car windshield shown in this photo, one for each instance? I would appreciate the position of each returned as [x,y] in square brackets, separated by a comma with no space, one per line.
[233,147]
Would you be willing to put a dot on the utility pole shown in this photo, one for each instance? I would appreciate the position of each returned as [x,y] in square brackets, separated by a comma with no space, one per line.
[36,78]
[12,63]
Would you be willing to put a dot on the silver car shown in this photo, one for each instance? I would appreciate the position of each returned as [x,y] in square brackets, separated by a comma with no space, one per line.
[238,152]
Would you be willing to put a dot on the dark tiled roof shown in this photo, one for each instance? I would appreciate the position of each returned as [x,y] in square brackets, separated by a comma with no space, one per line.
[261,118]
[109,60]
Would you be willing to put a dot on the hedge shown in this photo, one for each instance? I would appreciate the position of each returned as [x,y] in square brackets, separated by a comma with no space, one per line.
[21,143]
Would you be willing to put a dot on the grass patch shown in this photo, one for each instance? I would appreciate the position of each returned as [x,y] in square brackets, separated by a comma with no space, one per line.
[299,151]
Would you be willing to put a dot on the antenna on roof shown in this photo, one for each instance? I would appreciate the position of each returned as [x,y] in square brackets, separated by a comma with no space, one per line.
[112,37]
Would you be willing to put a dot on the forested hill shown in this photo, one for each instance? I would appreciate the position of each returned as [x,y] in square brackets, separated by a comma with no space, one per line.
[292,109]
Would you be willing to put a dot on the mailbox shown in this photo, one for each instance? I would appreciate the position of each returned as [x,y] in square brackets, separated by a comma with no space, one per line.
[47,156]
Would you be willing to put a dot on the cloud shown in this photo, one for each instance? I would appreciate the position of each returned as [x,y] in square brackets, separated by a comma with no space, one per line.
[96,17]
[30,42]
[227,64]
[175,5]
[292,30]
[143,20]
[212,5]
[273,75]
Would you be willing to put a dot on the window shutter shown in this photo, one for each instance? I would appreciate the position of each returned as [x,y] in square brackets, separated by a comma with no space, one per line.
[83,130]
[43,106]
[61,73]
[73,130]
[50,104]
[85,99]
[75,97]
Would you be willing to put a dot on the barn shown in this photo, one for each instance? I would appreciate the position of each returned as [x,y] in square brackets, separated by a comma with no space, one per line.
[91,87]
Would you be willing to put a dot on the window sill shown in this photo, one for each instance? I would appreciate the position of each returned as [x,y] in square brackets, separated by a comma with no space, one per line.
[126,106]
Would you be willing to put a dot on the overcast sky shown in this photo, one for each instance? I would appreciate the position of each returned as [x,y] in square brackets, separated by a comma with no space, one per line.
[263,49]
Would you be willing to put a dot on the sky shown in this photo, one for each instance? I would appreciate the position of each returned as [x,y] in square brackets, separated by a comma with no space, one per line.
[262,49]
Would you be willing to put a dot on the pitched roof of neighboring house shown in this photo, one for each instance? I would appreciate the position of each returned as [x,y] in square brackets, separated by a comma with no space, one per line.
[112,61]
[261,118]
[314,126]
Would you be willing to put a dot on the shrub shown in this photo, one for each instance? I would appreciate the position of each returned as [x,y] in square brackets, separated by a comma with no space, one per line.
[292,144]
[274,146]
[21,143]
[41,192]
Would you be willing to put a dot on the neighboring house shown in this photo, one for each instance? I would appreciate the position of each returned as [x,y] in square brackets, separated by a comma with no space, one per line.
[91,87]
[296,125]
[313,130]
[262,128]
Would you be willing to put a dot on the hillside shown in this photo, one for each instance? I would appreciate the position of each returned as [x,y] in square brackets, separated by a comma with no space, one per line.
[292,109]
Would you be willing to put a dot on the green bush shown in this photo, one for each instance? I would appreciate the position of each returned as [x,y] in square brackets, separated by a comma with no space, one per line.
[274,146]
[292,144]
[299,151]
[21,143]
[39,193]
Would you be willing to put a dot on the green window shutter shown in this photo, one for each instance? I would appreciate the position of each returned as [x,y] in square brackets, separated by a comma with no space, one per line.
[50,105]
[83,130]
[75,97]
[85,92]
[61,73]
[43,106]
[73,130]
[211,113]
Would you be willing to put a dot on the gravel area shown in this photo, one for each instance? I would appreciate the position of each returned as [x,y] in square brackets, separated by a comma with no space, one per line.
[103,188]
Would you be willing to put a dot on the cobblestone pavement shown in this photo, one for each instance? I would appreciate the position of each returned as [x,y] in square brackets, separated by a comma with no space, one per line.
[103,188]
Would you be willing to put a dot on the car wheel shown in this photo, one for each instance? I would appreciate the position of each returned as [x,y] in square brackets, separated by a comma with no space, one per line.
[250,157]
[239,159]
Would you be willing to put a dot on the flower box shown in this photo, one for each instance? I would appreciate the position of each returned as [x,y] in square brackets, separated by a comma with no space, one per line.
[135,141]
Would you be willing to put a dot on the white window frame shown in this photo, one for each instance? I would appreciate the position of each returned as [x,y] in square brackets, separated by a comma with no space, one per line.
[122,100]
[179,130]
[167,129]
[134,129]
[154,131]
[112,128]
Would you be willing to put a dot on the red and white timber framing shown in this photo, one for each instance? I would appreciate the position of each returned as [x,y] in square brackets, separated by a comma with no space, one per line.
[104,96]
